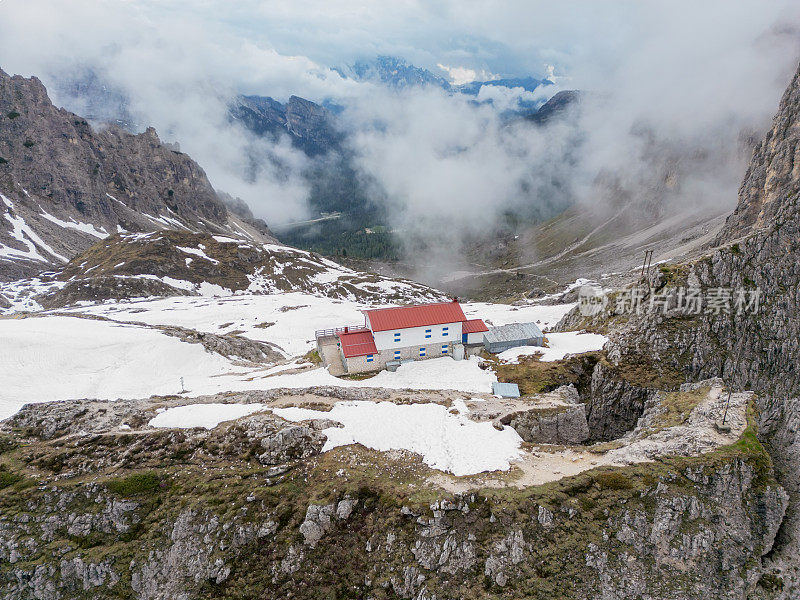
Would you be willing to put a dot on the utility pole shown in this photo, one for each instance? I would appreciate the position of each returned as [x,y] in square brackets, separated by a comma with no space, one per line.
[722,426]
[648,258]
[727,404]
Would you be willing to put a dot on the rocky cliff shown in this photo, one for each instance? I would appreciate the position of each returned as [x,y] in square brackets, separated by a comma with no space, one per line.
[96,504]
[751,347]
[65,184]
[309,125]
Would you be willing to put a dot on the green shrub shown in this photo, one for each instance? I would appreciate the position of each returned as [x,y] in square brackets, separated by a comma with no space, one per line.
[313,356]
[2,160]
[7,443]
[133,485]
[13,114]
[613,480]
[771,582]
[28,144]
[8,478]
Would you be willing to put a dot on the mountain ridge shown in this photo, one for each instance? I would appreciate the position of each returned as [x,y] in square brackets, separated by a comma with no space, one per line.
[756,347]
[65,184]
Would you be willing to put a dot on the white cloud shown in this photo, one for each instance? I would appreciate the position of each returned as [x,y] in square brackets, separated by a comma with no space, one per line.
[671,86]
[462,75]
[509,98]
[446,167]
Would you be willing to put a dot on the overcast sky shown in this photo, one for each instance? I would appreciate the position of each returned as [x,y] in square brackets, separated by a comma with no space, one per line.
[696,76]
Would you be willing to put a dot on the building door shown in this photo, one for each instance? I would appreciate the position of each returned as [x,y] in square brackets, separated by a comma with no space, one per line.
[464,338]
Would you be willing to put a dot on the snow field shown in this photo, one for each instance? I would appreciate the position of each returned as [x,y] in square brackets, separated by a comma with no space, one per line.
[560,344]
[207,416]
[58,358]
[288,320]
[446,441]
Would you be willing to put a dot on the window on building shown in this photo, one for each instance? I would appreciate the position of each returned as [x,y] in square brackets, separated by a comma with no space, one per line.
[397,337]
[370,357]
[422,351]
[397,353]
[427,333]
[444,348]
[445,331]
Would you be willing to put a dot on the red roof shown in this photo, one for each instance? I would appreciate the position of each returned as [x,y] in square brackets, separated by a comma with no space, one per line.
[357,343]
[419,315]
[473,326]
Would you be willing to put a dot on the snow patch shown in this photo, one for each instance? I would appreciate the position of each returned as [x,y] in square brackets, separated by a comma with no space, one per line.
[494,315]
[198,252]
[207,416]
[560,344]
[23,233]
[77,226]
[446,441]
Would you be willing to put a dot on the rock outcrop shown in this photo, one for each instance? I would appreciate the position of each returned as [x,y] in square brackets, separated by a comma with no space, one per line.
[95,503]
[750,347]
[553,425]
[686,530]
[613,404]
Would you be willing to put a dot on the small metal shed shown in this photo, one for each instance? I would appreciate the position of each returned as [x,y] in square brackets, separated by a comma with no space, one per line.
[505,390]
[498,339]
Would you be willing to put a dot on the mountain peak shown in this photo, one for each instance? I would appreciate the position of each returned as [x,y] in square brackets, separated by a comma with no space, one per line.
[773,176]
[65,184]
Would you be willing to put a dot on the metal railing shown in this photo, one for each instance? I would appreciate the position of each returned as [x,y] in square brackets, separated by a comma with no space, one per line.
[332,332]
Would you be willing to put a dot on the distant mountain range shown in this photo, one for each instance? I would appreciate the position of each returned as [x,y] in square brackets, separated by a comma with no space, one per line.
[392,71]
[313,127]
[397,73]
[309,125]
[316,130]
[554,107]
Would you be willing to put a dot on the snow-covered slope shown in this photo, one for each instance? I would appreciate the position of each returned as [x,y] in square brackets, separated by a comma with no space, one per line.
[172,263]
[56,358]
[115,322]
[48,358]
[118,349]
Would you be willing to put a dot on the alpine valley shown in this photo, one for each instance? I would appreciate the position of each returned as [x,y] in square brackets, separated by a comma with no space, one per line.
[169,431]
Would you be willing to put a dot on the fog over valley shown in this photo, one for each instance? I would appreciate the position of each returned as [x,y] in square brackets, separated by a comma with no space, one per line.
[670,103]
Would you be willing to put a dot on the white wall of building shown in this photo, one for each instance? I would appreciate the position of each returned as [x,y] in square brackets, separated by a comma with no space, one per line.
[415,336]
[475,338]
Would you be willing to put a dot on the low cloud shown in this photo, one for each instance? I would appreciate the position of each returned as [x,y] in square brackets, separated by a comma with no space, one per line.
[462,75]
[673,95]
[512,98]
